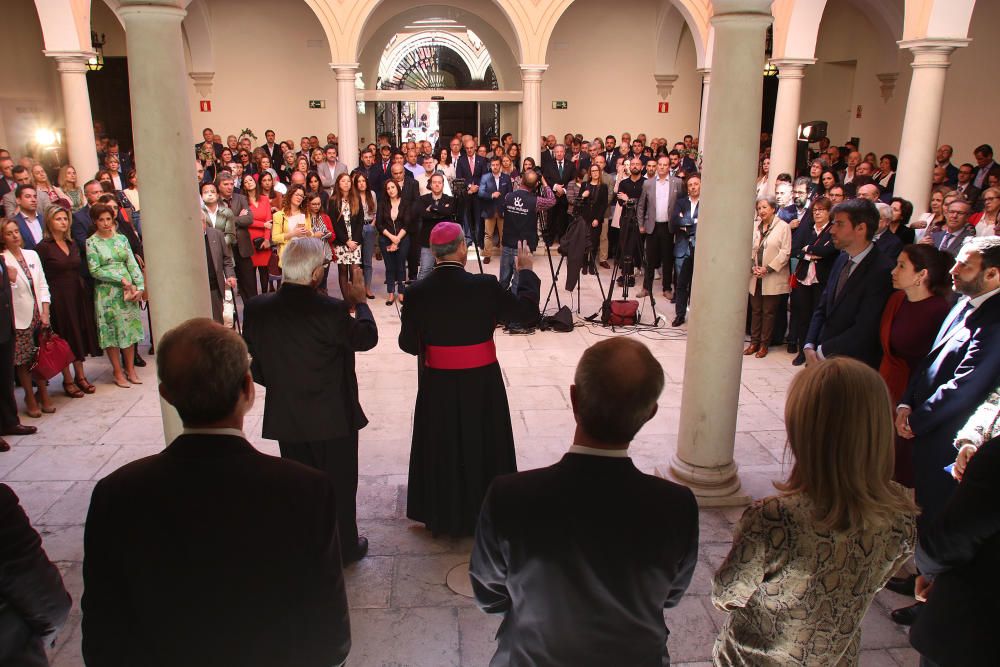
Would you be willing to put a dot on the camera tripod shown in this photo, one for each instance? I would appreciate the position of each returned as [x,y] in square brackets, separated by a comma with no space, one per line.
[629,246]
[589,262]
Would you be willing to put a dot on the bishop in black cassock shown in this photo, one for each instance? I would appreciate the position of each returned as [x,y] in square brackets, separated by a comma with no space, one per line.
[462,435]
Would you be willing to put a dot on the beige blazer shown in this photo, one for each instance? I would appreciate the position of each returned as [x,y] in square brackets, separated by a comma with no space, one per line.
[777,250]
[24,300]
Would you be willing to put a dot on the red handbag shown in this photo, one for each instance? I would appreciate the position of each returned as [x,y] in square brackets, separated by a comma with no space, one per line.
[623,312]
[54,354]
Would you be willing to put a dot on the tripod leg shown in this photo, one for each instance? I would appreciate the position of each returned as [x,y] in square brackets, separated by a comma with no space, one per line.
[555,280]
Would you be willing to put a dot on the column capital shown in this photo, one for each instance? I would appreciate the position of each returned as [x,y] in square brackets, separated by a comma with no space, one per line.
[720,7]
[74,62]
[887,81]
[792,68]
[706,73]
[532,72]
[933,52]
[345,71]
[147,8]
[665,84]
[202,82]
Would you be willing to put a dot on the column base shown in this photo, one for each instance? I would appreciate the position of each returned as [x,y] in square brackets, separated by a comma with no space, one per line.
[712,487]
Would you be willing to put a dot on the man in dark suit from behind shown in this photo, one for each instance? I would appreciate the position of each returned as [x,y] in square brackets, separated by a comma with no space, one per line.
[846,320]
[303,344]
[211,553]
[582,557]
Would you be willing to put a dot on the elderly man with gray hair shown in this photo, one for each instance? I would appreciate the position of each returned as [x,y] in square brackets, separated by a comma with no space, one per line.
[583,556]
[303,345]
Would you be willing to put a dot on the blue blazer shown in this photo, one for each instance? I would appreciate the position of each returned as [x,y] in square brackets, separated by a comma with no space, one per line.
[684,226]
[22,226]
[849,326]
[489,206]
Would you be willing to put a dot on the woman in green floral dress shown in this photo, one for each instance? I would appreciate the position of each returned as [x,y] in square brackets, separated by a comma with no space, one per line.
[117,292]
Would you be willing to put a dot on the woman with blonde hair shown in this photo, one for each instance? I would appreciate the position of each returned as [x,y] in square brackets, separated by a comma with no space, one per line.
[42,184]
[69,181]
[806,564]
[290,222]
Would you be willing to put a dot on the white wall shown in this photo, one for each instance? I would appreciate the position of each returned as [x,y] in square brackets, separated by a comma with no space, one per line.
[613,94]
[260,88]
[29,97]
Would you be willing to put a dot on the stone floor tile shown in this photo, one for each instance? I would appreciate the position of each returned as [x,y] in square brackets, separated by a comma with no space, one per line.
[876,658]
[905,657]
[692,631]
[548,397]
[549,422]
[15,457]
[419,581]
[383,457]
[759,417]
[369,582]
[37,497]
[135,431]
[67,652]
[62,542]
[51,463]
[714,527]
[414,637]
[395,537]
[71,508]
[377,499]
[126,454]
[477,631]
[749,452]
[879,631]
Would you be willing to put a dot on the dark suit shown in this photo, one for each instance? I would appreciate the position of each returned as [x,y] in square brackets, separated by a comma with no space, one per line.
[582,557]
[889,245]
[220,265]
[277,158]
[303,346]
[951,243]
[191,553]
[805,298]
[684,226]
[246,274]
[961,368]
[848,325]
[611,160]
[962,548]
[473,175]
[558,214]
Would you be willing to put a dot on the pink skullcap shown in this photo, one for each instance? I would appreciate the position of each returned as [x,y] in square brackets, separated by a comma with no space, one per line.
[445,232]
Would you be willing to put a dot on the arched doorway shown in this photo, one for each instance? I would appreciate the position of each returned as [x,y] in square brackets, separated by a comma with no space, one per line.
[443,58]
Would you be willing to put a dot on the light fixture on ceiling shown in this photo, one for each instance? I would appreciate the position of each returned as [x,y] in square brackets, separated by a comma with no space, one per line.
[96,61]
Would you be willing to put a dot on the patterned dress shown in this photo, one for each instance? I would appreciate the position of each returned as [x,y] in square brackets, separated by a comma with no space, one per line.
[119,322]
[796,595]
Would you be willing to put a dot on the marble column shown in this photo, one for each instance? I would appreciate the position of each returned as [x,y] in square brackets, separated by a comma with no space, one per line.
[531,110]
[706,83]
[176,280]
[784,138]
[922,123]
[72,68]
[713,358]
[347,112]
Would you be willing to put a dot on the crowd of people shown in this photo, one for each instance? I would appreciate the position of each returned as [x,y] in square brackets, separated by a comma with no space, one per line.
[894,313]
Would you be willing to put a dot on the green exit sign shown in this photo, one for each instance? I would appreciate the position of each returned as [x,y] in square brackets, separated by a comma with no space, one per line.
[317,104]
[560,104]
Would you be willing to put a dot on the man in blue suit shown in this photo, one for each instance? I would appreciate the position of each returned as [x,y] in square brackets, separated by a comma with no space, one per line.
[471,168]
[28,217]
[958,373]
[492,189]
[846,321]
[684,225]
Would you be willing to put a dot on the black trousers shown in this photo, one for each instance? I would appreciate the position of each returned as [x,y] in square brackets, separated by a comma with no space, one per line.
[413,259]
[8,404]
[246,275]
[338,458]
[682,295]
[803,301]
[659,253]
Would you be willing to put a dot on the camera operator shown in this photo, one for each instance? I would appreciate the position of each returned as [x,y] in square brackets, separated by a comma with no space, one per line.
[433,208]
[629,193]
[521,209]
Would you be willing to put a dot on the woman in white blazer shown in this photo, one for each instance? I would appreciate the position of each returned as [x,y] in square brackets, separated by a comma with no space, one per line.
[31,309]
[772,247]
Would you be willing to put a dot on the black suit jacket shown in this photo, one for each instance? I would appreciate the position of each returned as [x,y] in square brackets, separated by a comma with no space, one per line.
[551,173]
[849,326]
[211,553]
[277,158]
[889,245]
[237,204]
[582,557]
[33,602]
[472,177]
[303,344]
[962,548]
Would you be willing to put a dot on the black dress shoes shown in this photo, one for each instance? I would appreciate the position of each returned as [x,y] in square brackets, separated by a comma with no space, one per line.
[360,551]
[903,585]
[679,320]
[792,348]
[799,359]
[139,361]
[20,429]
[4,447]
[907,615]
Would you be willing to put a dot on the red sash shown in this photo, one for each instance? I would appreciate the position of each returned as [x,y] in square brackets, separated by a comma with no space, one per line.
[460,357]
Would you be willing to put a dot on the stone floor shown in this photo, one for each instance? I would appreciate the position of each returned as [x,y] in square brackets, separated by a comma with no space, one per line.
[403,615]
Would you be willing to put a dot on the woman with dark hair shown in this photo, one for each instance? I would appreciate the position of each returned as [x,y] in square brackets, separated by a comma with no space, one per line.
[290,222]
[348,220]
[910,322]
[368,244]
[886,174]
[322,229]
[248,166]
[595,201]
[260,228]
[514,153]
[816,169]
[266,186]
[445,166]
[392,221]
[827,180]
[528,164]
[315,186]
[899,224]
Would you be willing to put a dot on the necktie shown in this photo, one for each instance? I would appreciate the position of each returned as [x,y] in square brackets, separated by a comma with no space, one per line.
[560,169]
[842,279]
[945,241]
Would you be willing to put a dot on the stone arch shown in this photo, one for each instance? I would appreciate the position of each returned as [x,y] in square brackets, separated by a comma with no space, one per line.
[696,17]
[65,24]
[938,18]
[476,62]
[197,29]
[797,23]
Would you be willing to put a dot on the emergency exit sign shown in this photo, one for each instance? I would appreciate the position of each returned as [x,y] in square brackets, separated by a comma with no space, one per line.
[560,104]
[317,104]
[663,107]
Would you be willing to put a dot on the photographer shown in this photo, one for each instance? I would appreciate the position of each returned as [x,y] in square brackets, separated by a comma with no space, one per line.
[432,208]
[630,241]
[521,208]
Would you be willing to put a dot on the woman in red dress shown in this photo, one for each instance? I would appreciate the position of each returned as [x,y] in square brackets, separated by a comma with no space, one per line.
[910,323]
[260,228]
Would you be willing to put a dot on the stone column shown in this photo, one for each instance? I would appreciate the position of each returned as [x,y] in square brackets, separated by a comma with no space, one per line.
[531,110]
[82,152]
[176,280]
[922,123]
[784,138]
[706,82]
[713,359]
[347,112]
